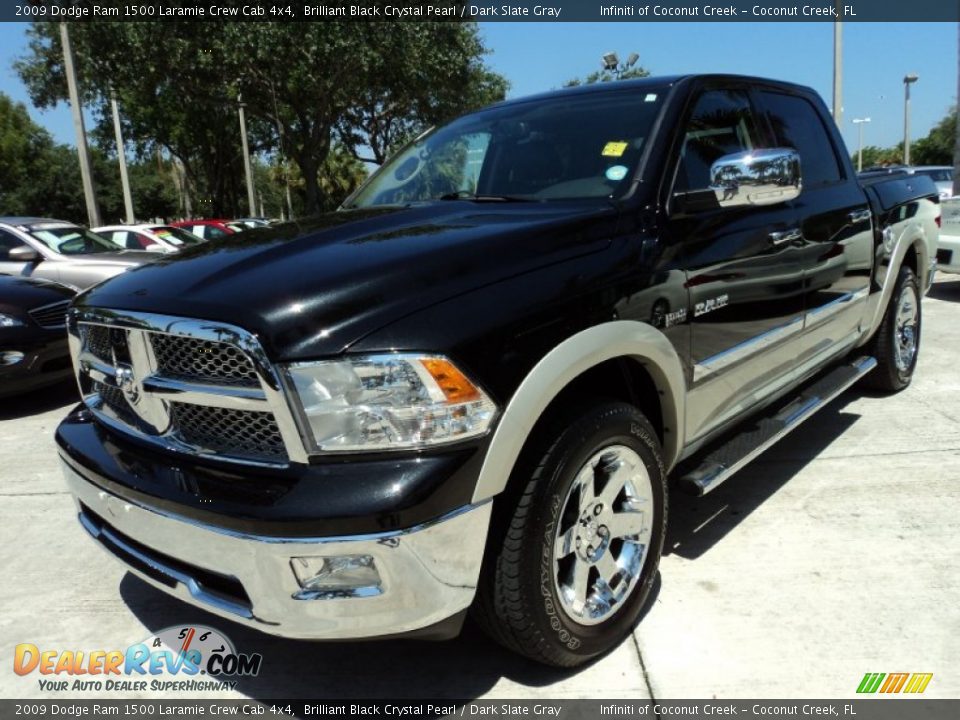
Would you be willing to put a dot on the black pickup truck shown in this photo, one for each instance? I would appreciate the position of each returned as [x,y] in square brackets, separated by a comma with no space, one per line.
[471,387]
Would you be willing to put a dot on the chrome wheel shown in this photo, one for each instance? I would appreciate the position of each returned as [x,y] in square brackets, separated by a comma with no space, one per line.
[603,535]
[907,329]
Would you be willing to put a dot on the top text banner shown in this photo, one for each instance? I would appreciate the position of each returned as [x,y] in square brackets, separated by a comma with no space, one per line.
[515,11]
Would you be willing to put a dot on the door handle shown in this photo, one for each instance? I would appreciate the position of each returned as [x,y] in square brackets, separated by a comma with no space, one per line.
[785,236]
[859,216]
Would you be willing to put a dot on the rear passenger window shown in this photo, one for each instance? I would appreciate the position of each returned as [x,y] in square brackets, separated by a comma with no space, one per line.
[722,123]
[797,124]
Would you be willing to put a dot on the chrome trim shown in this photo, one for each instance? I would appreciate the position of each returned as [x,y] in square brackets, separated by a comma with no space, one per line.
[194,587]
[428,573]
[839,304]
[225,396]
[741,351]
[791,417]
[156,391]
[782,237]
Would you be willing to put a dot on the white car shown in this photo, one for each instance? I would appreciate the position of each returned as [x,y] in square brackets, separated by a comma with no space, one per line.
[942,176]
[154,238]
[948,246]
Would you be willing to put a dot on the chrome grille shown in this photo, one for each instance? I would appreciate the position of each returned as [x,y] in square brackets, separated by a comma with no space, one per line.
[199,387]
[96,339]
[52,316]
[112,398]
[239,433]
[203,361]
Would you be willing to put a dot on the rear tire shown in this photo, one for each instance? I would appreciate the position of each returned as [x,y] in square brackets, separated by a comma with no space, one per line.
[896,344]
[567,578]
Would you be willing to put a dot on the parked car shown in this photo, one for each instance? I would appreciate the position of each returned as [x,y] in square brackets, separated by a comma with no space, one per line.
[210,229]
[942,176]
[948,245]
[33,336]
[451,393]
[253,222]
[153,238]
[61,251]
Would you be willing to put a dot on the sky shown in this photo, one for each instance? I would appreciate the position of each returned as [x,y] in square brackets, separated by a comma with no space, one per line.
[540,56]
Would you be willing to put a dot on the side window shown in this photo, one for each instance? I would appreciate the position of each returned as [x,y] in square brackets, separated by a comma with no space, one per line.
[722,123]
[141,241]
[120,238]
[797,124]
[8,242]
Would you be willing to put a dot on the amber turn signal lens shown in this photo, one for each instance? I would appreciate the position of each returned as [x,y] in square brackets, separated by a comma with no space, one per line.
[452,382]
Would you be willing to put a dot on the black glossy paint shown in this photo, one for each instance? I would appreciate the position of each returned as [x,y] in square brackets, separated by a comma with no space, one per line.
[495,286]
[368,495]
[46,355]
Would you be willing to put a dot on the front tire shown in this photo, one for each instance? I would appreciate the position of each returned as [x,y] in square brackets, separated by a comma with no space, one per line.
[897,342]
[568,579]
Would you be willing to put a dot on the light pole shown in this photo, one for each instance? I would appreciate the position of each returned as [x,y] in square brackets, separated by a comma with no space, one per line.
[248,168]
[611,63]
[859,122]
[86,172]
[838,67]
[908,80]
[121,156]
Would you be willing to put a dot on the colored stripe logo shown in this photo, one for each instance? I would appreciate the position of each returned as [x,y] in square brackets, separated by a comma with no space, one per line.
[888,683]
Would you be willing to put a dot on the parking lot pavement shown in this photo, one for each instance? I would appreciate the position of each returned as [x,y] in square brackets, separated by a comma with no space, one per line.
[832,555]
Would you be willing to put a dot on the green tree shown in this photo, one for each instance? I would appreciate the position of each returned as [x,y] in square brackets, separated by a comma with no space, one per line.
[937,147]
[25,150]
[307,86]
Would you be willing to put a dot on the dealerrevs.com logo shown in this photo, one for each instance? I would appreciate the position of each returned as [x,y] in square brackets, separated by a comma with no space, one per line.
[179,658]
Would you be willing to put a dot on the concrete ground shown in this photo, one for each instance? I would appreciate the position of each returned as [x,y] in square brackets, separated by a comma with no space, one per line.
[832,555]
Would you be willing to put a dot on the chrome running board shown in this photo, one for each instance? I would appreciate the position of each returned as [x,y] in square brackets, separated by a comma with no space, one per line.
[739,450]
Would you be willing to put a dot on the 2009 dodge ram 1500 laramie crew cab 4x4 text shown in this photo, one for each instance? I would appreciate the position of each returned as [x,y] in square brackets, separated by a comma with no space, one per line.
[469,387]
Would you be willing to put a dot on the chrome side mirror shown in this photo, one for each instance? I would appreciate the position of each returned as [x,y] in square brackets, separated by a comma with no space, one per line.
[756,177]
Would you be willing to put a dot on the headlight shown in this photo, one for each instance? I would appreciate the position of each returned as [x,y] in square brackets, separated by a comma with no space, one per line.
[386,402]
[9,321]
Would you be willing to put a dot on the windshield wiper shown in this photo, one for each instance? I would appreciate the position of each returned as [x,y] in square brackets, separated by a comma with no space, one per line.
[476,197]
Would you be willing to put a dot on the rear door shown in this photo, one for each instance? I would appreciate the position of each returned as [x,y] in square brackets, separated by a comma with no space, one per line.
[836,225]
[743,276]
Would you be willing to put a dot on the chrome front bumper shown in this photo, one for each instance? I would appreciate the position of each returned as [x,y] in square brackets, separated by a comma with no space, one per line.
[428,573]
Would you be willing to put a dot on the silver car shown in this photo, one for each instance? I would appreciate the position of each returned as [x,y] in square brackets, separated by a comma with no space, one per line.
[61,251]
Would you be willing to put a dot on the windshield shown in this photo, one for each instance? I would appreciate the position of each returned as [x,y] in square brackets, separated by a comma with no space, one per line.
[573,146]
[71,240]
[937,174]
[176,236]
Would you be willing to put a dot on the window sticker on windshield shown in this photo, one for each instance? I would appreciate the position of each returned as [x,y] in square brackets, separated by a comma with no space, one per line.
[650,97]
[616,172]
[614,149]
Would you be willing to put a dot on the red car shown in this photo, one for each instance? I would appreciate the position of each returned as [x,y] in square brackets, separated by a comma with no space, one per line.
[210,229]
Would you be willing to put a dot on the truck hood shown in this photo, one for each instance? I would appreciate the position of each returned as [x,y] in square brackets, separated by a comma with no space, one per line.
[312,288]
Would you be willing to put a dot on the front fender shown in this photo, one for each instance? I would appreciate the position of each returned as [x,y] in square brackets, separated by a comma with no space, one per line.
[575,355]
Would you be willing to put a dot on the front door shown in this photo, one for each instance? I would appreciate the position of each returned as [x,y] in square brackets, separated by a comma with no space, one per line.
[744,272]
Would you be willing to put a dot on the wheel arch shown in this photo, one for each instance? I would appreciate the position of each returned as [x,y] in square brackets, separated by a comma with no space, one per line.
[911,248]
[640,349]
